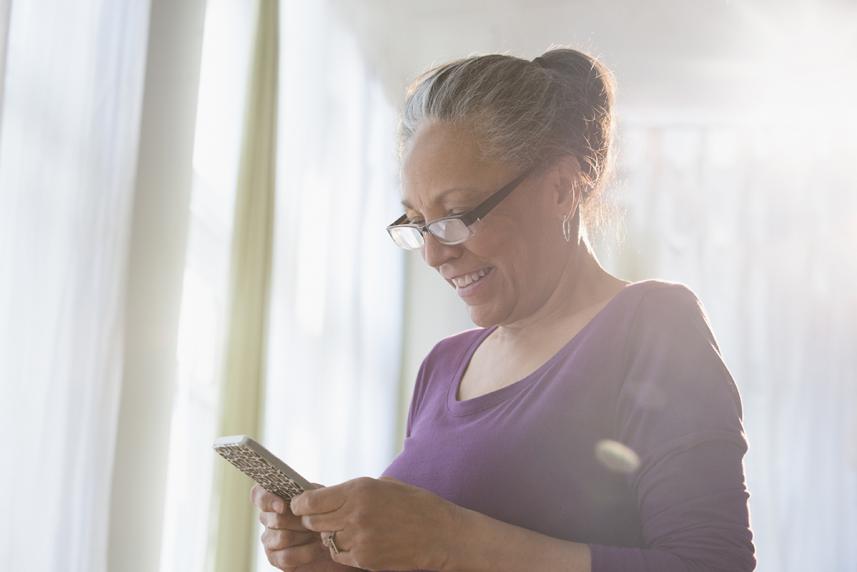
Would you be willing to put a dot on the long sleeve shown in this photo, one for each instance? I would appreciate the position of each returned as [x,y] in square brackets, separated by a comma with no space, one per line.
[678,409]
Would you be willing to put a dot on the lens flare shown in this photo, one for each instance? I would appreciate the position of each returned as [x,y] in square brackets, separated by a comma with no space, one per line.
[617,457]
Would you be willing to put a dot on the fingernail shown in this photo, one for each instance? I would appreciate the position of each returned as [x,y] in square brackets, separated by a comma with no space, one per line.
[279,506]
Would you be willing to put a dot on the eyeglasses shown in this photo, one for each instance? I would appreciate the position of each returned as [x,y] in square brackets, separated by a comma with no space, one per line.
[453,229]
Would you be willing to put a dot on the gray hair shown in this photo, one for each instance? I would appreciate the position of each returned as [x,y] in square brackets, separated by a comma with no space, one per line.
[523,112]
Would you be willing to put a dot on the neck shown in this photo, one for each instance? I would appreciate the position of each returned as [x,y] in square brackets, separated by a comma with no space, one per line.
[583,286]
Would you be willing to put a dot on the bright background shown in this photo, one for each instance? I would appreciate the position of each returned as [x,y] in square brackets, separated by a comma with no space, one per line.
[192,203]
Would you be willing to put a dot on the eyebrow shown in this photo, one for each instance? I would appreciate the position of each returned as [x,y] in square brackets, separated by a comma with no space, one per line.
[468,191]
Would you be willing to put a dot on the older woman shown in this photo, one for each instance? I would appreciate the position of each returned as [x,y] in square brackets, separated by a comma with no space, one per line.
[588,423]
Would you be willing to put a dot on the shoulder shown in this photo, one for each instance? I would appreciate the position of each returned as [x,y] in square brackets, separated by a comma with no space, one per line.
[447,354]
[670,309]
[663,293]
[453,348]
[439,367]
[672,355]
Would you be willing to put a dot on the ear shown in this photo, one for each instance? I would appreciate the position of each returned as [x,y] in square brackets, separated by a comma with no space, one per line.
[566,185]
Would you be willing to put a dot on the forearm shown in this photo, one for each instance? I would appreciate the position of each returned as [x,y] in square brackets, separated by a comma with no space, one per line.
[483,543]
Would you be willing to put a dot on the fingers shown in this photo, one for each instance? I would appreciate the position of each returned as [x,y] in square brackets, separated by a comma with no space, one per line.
[296,556]
[288,544]
[282,539]
[267,502]
[282,521]
[326,499]
[321,522]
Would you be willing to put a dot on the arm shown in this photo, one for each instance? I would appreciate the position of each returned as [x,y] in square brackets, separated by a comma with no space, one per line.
[679,410]
[694,513]
[714,517]
[479,542]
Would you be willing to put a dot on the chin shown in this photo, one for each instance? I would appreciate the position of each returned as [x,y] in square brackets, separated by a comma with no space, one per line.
[483,317]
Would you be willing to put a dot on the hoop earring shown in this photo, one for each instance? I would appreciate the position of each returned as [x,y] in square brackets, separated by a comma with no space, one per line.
[566,227]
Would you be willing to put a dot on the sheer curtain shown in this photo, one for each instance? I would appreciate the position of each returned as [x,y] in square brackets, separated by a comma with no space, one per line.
[760,219]
[190,525]
[336,298]
[328,339]
[97,122]
[5,6]
[72,96]
[247,307]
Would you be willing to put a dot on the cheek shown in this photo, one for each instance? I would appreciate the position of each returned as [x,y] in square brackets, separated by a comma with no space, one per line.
[497,236]
[509,252]
[495,247]
[530,259]
[521,238]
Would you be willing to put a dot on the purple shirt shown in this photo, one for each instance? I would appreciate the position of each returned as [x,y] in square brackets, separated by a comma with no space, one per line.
[647,372]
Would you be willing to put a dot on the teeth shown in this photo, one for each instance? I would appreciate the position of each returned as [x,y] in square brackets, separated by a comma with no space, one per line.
[468,279]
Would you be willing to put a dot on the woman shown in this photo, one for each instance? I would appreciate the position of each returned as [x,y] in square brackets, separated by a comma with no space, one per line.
[589,423]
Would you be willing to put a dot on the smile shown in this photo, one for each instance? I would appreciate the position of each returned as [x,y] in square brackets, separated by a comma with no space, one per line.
[466,280]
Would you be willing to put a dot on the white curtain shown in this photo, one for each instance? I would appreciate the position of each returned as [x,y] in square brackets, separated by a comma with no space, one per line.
[760,219]
[71,104]
[189,528]
[334,346]
[98,107]
[331,386]
[108,463]
[5,6]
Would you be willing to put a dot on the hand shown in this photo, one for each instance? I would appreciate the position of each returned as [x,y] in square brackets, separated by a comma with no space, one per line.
[288,545]
[381,524]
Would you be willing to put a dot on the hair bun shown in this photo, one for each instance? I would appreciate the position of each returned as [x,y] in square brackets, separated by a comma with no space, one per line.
[540,61]
[588,87]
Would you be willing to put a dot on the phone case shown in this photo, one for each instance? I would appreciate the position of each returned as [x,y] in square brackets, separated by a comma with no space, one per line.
[262,466]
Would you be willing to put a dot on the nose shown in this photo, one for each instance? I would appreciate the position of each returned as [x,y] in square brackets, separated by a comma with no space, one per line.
[436,253]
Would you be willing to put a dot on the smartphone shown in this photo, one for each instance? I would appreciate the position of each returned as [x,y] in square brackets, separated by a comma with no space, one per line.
[262,466]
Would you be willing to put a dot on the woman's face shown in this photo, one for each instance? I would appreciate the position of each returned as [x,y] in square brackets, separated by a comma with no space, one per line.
[512,264]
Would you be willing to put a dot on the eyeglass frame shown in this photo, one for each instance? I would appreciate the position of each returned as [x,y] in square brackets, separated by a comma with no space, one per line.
[470,217]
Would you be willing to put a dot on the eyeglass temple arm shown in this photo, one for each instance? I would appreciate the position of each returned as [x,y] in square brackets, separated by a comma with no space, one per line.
[492,201]
[483,208]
